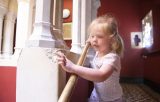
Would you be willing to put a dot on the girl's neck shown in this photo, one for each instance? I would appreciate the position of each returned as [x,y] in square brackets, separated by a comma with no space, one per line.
[101,54]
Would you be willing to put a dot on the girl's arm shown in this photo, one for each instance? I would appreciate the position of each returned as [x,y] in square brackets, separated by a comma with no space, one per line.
[96,75]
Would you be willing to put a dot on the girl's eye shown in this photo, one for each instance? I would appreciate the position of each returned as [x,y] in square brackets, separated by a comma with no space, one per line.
[92,36]
[97,36]
[100,36]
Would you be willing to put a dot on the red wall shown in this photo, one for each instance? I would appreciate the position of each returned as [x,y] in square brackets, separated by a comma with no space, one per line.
[68,5]
[7,84]
[151,63]
[127,13]
[152,69]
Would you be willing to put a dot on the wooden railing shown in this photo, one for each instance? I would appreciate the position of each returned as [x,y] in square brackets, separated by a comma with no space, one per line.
[146,54]
[66,93]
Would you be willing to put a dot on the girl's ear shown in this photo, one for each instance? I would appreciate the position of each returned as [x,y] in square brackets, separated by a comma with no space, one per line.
[113,35]
[112,38]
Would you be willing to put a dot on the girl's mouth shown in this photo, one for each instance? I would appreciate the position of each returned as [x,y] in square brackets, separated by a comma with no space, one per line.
[94,45]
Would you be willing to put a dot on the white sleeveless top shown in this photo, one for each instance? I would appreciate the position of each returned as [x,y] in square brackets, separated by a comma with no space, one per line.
[110,89]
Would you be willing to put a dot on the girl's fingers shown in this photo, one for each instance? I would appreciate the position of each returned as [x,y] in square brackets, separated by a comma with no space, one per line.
[59,54]
[61,58]
[61,63]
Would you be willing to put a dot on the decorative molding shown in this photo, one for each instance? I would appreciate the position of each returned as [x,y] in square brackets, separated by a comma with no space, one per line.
[11,16]
[4,3]
[51,53]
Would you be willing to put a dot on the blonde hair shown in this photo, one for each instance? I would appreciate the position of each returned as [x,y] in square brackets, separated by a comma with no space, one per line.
[109,26]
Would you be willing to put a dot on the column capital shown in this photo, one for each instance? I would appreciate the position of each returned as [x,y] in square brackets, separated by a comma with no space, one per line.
[11,16]
[4,3]
[3,11]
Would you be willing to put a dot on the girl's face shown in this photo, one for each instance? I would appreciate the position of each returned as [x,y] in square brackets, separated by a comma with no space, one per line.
[100,41]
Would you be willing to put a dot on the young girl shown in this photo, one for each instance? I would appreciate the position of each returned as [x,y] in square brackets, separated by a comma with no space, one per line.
[106,65]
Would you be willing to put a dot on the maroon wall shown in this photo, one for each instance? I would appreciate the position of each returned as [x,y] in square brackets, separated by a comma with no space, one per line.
[130,14]
[151,63]
[68,5]
[7,84]
[127,13]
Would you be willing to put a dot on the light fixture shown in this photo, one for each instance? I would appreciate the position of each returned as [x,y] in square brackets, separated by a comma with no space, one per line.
[66,13]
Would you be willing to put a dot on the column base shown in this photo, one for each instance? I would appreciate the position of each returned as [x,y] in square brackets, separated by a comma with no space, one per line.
[38,76]
[41,43]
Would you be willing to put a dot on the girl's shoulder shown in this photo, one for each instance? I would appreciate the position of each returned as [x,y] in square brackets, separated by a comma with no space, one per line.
[112,54]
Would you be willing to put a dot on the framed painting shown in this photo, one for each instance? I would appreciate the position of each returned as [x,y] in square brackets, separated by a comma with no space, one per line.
[67,31]
[136,39]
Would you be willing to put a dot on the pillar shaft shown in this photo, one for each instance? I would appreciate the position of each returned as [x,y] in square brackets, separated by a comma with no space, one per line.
[24,24]
[8,34]
[84,11]
[85,20]
[88,13]
[2,14]
[76,27]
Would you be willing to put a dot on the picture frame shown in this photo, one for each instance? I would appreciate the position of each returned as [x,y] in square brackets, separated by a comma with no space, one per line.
[136,39]
[67,31]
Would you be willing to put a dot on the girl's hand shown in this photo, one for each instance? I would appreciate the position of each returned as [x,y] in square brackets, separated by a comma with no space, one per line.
[66,64]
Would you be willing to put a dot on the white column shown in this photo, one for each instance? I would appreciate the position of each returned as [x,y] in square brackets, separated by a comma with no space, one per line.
[2,13]
[86,18]
[76,27]
[37,77]
[89,10]
[24,21]
[88,13]
[8,34]
[1,27]
[42,36]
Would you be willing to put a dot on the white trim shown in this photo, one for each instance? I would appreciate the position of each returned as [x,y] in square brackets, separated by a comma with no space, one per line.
[8,62]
